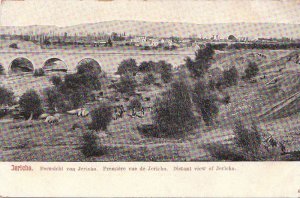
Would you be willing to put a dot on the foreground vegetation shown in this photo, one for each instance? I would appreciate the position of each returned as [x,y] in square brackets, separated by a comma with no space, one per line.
[184,109]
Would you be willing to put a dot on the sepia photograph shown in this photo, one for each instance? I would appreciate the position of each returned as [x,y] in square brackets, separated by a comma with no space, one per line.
[149,98]
[149,81]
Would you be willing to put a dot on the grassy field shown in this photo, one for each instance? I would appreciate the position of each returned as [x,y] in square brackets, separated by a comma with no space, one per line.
[39,141]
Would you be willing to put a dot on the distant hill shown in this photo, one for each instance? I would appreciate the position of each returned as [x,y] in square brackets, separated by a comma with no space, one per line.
[167,29]
[26,29]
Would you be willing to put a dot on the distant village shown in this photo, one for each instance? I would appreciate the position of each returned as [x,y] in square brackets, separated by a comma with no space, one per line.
[144,42]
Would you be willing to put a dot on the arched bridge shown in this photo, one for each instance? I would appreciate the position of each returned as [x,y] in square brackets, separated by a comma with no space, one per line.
[42,59]
[107,60]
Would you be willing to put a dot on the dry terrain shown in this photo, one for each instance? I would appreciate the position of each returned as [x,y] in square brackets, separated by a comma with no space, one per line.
[262,101]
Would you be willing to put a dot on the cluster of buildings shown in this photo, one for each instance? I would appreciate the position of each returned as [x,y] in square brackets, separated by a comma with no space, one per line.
[103,39]
[143,41]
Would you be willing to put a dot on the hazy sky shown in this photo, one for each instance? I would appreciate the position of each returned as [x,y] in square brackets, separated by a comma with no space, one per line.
[72,12]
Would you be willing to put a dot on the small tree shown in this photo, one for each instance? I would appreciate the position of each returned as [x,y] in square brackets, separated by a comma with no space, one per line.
[231,76]
[147,66]
[6,96]
[90,81]
[189,63]
[202,63]
[149,79]
[248,138]
[101,117]
[2,70]
[205,101]
[39,72]
[55,100]
[252,70]
[173,112]
[90,147]
[76,89]
[165,71]
[56,80]
[206,54]
[89,66]
[87,80]
[31,104]
[128,66]
[109,43]
[127,84]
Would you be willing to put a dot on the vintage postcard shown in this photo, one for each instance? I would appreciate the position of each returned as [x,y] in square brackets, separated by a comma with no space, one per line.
[155,98]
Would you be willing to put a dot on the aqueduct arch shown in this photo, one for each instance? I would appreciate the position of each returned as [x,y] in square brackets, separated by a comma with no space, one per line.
[22,64]
[91,61]
[70,61]
[50,65]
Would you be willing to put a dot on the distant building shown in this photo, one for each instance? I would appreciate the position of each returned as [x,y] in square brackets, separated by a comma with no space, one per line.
[243,39]
[265,40]
[99,43]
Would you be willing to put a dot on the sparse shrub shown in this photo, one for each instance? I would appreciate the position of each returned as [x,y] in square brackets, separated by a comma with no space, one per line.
[252,70]
[248,139]
[225,152]
[149,79]
[39,72]
[31,104]
[246,147]
[148,130]
[227,98]
[127,84]
[89,147]
[56,80]
[230,76]
[165,71]
[6,96]
[172,113]
[128,66]
[101,117]
[205,101]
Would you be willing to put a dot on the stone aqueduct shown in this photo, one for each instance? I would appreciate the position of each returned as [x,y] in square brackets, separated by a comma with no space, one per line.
[39,59]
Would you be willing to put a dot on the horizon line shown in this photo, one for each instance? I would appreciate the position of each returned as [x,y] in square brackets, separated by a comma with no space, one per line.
[150,22]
